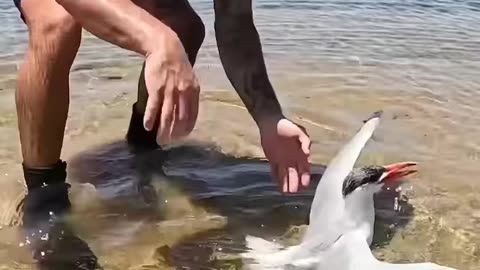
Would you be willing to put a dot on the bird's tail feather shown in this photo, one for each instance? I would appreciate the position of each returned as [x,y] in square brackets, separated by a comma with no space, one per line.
[266,254]
[261,246]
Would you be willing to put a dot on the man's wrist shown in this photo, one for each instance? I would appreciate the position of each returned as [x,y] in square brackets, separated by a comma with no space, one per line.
[268,117]
[158,37]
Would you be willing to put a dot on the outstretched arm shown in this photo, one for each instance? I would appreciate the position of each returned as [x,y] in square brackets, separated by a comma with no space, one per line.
[242,58]
[286,144]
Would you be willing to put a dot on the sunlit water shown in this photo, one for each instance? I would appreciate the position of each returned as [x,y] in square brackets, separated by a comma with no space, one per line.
[332,63]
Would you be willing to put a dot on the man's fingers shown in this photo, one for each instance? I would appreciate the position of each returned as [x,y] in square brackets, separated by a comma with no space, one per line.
[180,94]
[167,114]
[155,88]
[186,108]
[193,103]
[292,180]
[305,143]
[176,129]
[304,171]
[283,178]
[151,111]
[182,112]
[154,104]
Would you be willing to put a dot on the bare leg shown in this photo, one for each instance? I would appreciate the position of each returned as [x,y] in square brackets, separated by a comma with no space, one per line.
[42,95]
[42,99]
[181,17]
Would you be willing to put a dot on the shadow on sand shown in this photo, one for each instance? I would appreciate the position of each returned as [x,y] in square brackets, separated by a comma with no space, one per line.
[238,188]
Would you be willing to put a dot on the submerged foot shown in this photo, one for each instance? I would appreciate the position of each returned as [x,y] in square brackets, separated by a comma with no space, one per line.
[52,242]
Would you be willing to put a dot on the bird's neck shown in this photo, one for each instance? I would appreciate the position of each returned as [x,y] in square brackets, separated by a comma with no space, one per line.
[361,212]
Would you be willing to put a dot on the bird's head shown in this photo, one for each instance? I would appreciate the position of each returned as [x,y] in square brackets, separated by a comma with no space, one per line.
[360,186]
[370,179]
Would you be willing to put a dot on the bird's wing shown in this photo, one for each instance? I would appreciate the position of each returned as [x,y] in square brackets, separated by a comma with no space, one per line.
[352,251]
[328,203]
[346,250]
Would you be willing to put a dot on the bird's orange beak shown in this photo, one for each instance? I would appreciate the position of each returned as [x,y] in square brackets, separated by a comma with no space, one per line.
[398,170]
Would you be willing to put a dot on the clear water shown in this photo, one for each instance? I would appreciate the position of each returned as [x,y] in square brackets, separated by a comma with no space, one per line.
[332,64]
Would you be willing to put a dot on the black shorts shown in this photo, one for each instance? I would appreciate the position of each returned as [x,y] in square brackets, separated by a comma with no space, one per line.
[19,7]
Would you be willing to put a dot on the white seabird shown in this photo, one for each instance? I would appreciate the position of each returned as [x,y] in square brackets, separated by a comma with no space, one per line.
[341,218]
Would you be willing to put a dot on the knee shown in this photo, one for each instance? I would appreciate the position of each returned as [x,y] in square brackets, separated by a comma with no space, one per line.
[56,34]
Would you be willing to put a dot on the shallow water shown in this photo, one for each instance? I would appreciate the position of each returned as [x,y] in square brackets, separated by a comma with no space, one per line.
[332,63]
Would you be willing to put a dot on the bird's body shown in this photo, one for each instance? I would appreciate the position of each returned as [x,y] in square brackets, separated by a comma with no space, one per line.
[342,218]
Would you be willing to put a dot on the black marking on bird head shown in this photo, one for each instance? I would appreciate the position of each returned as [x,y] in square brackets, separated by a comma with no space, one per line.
[376,114]
[362,176]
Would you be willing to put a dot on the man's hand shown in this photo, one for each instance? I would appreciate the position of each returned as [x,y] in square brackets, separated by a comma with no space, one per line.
[173,90]
[287,147]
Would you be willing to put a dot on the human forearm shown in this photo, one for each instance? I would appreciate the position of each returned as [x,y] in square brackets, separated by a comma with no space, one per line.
[120,22]
[242,58]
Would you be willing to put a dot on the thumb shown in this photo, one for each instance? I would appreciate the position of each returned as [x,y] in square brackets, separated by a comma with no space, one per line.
[305,143]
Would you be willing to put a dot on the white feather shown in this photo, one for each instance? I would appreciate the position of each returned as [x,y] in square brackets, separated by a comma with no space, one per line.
[262,246]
